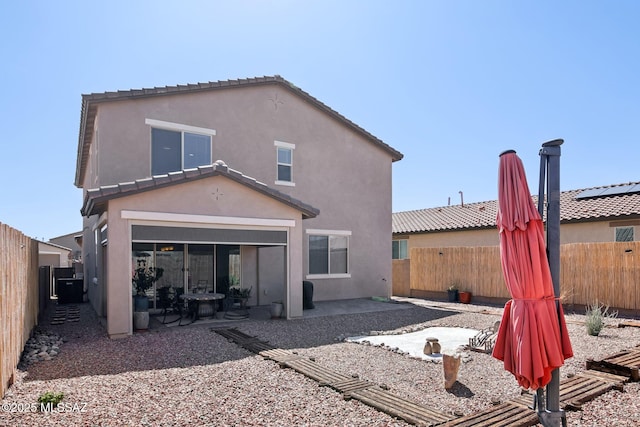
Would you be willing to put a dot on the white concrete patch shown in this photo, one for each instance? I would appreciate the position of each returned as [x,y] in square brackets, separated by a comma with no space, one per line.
[412,343]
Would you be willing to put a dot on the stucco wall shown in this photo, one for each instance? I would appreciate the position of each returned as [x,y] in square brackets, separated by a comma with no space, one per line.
[193,198]
[335,169]
[586,232]
[591,232]
[52,255]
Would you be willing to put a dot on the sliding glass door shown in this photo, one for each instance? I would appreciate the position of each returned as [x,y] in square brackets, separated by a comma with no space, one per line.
[201,268]
[189,267]
[170,257]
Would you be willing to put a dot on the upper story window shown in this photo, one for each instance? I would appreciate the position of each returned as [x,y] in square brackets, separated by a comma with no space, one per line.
[175,147]
[624,234]
[284,161]
[399,249]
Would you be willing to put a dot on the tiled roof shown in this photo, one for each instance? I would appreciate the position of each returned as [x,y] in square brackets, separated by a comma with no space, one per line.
[95,199]
[90,102]
[483,214]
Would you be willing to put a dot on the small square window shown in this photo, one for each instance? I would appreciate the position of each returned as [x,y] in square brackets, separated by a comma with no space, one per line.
[329,254]
[624,234]
[399,249]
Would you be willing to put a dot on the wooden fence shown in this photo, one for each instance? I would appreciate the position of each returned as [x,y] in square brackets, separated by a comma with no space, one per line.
[605,272]
[18,299]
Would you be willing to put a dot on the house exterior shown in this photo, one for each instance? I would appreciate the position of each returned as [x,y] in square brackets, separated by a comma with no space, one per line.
[72,241]
[54,255]
[601,214]
[246,183]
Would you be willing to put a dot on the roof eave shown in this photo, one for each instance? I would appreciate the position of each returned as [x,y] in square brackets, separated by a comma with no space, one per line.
[96,205]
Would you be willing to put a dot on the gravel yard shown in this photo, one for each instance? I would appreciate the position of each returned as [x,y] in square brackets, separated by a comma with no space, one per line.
[193,376]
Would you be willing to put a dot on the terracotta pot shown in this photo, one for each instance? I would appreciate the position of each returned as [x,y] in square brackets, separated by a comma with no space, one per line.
[451,364]
[465,297]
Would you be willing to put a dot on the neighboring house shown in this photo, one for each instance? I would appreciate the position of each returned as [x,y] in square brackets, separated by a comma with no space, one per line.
[601,214]
[54,255]
[72,241]
[251,181]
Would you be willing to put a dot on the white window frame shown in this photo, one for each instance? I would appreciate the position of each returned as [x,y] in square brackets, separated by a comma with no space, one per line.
[177,127]
[286,146]
[161,124]
[329,233]
[633,233]
[400,241]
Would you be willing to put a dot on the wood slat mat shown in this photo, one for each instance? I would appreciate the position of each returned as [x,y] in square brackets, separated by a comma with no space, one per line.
[519,412]
[248,342]
[629,323]
[352,388]
[579,389]
[396,406]
[508,414]
[626,363]
[64,314]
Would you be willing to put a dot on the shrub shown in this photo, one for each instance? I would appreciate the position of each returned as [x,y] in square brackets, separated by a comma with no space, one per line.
[596,315]
[50,397]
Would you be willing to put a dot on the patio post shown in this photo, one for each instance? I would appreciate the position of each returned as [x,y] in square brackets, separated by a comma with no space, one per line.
[552,415]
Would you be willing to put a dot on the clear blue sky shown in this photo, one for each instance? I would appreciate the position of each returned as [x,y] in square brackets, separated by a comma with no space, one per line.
[450,84]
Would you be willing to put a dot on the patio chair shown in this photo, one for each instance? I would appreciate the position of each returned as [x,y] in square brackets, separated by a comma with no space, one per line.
[170,303]
[485,339]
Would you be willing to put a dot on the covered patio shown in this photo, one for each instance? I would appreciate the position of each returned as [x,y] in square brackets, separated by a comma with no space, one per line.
[210,229]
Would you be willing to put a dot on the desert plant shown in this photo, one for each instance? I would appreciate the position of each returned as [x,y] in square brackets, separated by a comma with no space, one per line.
[596,315]
[50,398]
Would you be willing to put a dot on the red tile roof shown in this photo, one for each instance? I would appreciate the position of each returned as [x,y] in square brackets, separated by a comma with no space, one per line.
[483,214]
[95,199]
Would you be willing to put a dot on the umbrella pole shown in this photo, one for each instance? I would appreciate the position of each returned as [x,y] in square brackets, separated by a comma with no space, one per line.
[552,415]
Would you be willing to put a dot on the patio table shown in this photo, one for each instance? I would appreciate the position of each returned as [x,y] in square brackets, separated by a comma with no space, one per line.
[202,305]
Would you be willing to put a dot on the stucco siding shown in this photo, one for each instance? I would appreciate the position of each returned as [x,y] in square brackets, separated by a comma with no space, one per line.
[334,168]
[488,237]
[586,232]
[589,232]
[337,169]
[196,198]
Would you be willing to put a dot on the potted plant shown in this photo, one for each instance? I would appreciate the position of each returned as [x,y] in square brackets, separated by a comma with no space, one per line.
[143,279]
[241,295]
[452,292]
[465,297]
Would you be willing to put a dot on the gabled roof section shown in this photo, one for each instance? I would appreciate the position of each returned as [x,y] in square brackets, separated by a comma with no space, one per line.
[610,205]
[90,104]
[55,245]
[95,199]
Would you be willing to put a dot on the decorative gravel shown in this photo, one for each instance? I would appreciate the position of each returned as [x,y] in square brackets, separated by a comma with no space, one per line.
[193,376]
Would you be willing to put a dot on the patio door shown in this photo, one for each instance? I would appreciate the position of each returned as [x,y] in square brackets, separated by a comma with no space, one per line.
[227,267]
[192,267]
[201,268]
[170,257]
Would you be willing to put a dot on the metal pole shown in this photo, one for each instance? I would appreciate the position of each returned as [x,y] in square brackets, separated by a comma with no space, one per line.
[553,416]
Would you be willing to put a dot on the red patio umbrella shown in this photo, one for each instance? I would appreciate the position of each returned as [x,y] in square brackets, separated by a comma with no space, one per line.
[533,339]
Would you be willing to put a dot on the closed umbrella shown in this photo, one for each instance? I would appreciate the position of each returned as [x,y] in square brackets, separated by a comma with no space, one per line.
[533,339]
